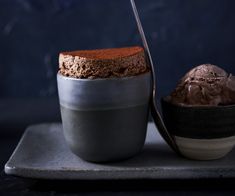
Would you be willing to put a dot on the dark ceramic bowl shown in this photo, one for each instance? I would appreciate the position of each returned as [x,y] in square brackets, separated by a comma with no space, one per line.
[200,132]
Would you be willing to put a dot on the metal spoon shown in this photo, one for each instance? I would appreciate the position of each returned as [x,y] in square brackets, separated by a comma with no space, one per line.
[154,111]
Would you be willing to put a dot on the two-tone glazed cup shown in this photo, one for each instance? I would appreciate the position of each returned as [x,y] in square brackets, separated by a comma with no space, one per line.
[105,119]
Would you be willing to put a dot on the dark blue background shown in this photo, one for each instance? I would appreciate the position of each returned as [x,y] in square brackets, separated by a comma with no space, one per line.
[181,34]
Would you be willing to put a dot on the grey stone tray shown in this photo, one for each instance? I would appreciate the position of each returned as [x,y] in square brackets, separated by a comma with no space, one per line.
[42,153]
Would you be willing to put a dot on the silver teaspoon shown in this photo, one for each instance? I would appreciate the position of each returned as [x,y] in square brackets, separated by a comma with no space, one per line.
[154,111]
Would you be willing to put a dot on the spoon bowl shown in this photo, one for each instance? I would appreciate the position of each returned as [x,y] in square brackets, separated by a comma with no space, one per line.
[154,110]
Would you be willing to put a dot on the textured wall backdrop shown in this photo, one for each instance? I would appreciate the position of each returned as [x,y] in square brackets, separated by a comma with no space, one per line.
[181,34]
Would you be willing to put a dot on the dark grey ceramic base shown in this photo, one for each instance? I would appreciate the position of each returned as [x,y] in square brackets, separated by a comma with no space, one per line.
[114,134]
[42,153]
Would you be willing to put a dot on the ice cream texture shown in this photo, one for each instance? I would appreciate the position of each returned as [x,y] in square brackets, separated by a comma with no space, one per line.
[205,84]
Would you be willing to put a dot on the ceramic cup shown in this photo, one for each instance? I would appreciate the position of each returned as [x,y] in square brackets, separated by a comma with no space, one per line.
[201,132]
[105,119]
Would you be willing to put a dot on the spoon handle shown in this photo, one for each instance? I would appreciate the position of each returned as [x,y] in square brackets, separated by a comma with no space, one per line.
[154,111]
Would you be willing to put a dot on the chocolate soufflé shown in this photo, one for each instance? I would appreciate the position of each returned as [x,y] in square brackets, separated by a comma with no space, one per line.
[103,63]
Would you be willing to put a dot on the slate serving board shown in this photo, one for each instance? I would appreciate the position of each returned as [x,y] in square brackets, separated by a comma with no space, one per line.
[42,153]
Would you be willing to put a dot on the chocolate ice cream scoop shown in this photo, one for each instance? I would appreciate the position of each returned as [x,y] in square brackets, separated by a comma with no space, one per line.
[205,85]
[199,113]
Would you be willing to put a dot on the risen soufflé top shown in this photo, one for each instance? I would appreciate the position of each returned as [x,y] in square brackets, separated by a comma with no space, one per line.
[103,63]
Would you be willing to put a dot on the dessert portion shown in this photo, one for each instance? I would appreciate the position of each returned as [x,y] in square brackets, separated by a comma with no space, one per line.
[205,85]
[103,63]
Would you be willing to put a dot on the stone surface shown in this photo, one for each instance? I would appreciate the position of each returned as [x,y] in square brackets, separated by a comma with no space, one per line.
[42,153]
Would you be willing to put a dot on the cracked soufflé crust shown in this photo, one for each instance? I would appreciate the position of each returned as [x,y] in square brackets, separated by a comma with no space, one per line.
[103,63]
